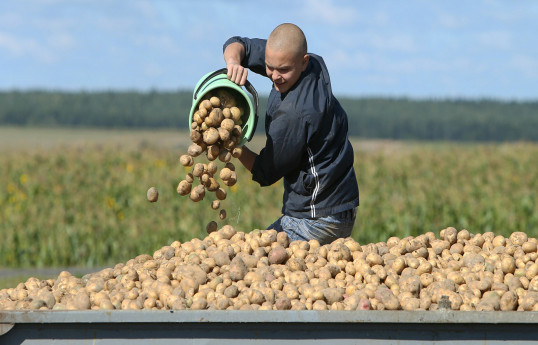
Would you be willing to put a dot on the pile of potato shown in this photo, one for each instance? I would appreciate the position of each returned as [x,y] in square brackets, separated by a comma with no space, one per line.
[262,270]
[216,130]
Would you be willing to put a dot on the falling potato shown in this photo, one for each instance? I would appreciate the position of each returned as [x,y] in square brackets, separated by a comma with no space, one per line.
[184,187]
[211,227]
[220,193]
[152,194]
[215,204]
[186,160]
[216,131]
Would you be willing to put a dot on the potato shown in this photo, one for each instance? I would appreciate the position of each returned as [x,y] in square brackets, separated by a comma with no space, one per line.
[195,136]
[186,160]
[204,179]
[210,136]
[213,150]
[508,301]
[152,194]
[197,119]
[518,238]
[222,214]
[508,264]
[206,104]
[224,135]
[237,132]
[238,269]
[216,116]
[225,174]
[529,247]
[278,255]
[215,204]
[411,303]
[215,102]
[202,112]
[283,303]
[529,301]
[211,157]
[184,187]
[236,113]
[199,114]
[81,301]
[232,180]
[225,155]
[195,150]
[212,185]
[198,170]
[220,193]
[230,166]
[227,124]
[197,193]
[209,121]
[236,152]
[211,227]
[227,232]
[189,178]
[229,144]
[332,295]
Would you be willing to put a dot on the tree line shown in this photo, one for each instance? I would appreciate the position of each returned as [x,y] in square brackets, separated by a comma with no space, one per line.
[369,117]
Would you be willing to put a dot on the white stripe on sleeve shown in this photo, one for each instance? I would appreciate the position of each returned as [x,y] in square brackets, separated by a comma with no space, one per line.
[316,178]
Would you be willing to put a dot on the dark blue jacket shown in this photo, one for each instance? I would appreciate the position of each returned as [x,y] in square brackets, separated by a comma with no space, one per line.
[307,142]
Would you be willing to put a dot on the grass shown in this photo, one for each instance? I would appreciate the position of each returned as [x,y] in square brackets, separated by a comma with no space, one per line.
[78,197]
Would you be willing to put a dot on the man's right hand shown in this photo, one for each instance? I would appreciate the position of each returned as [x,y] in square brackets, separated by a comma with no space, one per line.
[233,55]
[237,73]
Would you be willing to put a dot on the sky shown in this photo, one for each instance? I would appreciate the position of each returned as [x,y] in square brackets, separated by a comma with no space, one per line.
[412,48]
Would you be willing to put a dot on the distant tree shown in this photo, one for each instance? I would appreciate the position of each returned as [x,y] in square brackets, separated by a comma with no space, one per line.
[387,118]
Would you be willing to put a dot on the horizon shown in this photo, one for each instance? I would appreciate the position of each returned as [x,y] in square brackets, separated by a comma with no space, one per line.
[265,95]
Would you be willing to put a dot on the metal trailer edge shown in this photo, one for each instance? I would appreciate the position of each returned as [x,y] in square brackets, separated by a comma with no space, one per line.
[267,327]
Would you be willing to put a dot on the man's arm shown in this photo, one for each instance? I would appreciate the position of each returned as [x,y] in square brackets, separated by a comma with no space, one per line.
[247,158]
[233,56]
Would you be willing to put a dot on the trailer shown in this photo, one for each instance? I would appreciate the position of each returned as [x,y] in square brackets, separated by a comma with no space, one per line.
[267,327]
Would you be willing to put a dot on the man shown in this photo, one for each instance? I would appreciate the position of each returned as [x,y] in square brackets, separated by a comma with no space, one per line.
[306,128]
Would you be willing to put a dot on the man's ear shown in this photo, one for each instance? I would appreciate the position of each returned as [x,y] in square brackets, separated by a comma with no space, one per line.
[306,58]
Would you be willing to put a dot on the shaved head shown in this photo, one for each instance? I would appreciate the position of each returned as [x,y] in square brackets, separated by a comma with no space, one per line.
[288,37]
[285,56]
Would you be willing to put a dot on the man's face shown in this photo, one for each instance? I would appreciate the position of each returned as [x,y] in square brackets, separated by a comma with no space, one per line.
[284,68]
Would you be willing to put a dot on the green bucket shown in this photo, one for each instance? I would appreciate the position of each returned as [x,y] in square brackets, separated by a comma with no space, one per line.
[219,79]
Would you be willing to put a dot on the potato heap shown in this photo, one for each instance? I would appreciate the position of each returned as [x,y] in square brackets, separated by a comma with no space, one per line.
[216,130]
[262,270]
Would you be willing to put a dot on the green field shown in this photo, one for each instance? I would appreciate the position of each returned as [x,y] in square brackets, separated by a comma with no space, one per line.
[78,197]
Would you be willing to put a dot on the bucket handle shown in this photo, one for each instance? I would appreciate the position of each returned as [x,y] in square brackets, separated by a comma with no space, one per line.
[249,88]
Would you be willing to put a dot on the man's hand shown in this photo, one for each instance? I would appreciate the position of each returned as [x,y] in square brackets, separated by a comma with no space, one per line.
[233,55]
[237,73]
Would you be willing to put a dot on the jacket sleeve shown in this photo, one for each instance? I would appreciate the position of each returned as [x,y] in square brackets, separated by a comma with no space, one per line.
[254,53]
[283,151]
